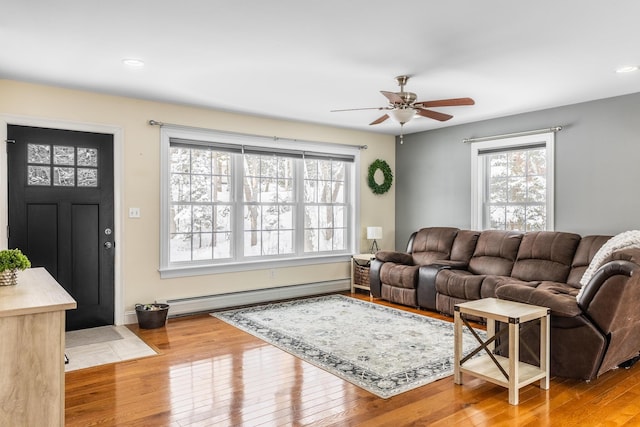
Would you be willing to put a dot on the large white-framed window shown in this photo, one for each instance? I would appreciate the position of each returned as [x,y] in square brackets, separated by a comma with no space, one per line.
[233,202]
[512,183]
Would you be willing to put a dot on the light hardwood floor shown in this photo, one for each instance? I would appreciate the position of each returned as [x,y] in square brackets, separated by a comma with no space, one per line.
[211,374]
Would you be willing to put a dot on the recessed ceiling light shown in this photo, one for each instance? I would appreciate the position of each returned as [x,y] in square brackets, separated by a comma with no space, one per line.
[132,62]
[627,69]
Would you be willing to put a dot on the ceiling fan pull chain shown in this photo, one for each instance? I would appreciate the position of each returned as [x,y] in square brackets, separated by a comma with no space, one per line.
[401,133]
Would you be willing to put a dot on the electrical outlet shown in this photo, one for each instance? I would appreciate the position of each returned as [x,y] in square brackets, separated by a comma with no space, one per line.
[134,212]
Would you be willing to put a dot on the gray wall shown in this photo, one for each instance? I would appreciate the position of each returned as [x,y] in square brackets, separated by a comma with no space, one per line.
[597,169]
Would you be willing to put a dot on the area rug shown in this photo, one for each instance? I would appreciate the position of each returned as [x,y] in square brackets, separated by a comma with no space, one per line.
[87,348]
[380,349]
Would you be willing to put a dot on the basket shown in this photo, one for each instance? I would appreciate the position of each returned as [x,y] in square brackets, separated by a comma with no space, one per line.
[361,275]
[152,318]
[9,277]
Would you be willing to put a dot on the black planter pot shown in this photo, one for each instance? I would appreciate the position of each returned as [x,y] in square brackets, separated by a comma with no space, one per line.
[151,316]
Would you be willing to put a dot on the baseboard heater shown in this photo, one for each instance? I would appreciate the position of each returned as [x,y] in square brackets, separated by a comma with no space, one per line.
[185,306]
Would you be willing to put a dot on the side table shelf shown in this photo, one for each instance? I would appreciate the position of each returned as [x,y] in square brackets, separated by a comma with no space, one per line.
[360,271]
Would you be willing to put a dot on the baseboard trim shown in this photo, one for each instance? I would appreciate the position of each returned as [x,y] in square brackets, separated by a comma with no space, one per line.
[203,304]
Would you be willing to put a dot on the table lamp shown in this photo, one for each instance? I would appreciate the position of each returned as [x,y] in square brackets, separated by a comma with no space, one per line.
[374,233]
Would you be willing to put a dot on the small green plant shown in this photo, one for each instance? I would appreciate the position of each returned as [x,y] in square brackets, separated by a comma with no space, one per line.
[13,259]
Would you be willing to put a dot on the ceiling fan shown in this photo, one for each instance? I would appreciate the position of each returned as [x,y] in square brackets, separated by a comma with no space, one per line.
[403,106]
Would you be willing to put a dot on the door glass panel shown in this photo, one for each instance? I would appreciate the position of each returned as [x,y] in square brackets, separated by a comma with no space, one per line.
[64,177]
[37,153]
[87,157]
[87,177]
[39,175]
[63,155]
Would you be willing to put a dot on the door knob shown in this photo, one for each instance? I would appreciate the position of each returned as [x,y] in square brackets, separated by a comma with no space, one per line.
[108,245]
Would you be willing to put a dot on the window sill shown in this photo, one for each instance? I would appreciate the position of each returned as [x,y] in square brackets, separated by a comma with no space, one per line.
[203,270]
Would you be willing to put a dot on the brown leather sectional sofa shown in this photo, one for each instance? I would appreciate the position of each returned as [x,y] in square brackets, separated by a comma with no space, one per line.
[590,335]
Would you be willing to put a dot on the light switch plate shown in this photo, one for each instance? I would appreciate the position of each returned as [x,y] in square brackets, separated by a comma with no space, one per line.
[134,212]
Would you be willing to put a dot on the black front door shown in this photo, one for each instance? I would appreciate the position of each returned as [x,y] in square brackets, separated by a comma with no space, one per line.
[61,213]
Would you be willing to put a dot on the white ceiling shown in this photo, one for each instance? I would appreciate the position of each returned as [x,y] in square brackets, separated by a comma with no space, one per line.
[298,59]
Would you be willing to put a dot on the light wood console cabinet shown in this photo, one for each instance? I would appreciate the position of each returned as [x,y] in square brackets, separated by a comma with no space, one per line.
[32,318]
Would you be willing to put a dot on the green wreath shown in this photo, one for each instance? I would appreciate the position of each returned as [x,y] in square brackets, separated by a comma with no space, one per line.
[388,177]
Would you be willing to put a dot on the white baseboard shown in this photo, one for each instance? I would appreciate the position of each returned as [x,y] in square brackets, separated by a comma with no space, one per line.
[184,306]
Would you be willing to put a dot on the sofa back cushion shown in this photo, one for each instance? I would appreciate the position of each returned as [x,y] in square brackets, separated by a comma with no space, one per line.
[495,252]
[464,245]
[588,247]
[545,256]
[432,244]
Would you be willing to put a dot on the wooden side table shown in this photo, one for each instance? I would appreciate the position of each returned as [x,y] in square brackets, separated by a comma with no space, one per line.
[505,371]
[360,262]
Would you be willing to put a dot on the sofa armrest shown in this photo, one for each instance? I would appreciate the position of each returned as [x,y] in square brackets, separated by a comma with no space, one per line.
[395,257]
[375,285]
[560,300]
[607,271]
[454,265]
[628,254]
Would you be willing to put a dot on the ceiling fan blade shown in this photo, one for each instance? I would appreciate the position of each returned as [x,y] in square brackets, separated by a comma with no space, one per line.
[393,97]
[379,119]
[358,109]
[453,102]
[433,114]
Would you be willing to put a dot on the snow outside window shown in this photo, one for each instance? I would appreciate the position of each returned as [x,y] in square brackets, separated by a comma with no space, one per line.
[512,183]
[236,202]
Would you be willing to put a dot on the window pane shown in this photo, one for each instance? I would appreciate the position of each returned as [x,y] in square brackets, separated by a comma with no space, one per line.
[180,247]
[37,153]
[202,218]
[498,190]
[537,162]
[181,219]
[201,162]
[87,157]
[200,188]
[39,175]
[64,155]
[497,165]
[517,189]
[223,218]
[515,218]
[221,245]
[180,188]
[497,217]
[64,177]
[536,189]
[536,218]
[180,159]
[202,246]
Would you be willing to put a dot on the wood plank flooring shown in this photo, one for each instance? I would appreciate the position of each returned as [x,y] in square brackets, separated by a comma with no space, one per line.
[211,374]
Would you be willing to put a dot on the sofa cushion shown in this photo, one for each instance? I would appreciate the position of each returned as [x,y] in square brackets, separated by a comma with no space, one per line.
[545,255]
[491,283]
[431,244]
[559,297]
[399,275]
[459,284]
[585,252]
[464,245]
[495,252]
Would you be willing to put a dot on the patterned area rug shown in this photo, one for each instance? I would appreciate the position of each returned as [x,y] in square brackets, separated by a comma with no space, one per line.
[381,349]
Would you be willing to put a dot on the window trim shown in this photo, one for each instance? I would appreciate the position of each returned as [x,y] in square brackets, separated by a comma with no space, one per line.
[243,140]
[503,144]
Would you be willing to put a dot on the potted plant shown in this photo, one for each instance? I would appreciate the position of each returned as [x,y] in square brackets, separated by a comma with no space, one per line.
[12,260]
[151,316]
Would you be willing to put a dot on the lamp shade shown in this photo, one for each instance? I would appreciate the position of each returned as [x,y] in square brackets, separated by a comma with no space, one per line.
[374,233]
[402,115]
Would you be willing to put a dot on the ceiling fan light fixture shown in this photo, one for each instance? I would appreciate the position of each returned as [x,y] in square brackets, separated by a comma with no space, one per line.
[402,115]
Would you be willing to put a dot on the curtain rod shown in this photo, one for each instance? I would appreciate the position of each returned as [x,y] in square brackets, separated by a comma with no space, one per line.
[275,138]
[510,135]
